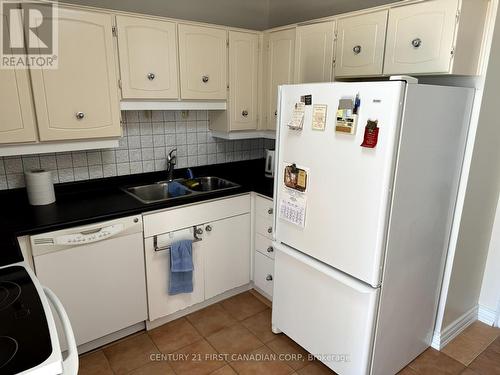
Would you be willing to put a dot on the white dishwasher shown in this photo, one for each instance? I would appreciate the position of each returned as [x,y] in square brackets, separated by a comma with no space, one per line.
[97,271]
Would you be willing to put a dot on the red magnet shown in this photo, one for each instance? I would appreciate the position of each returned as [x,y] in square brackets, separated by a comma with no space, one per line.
[370,138]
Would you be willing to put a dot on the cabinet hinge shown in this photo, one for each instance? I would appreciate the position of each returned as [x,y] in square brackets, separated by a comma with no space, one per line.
[452,52]
[114,31]
[335,36]
[120,84]
[227,87]
[458,15]
[227,43]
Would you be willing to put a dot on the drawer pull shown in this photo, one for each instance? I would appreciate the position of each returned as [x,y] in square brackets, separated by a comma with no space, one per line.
[417,42]
[80,115]
[270,230]
[244,113]
[208,228]
[270,249]
[357,50]
[269,277]
[151,76]
[270,211]
[205,79]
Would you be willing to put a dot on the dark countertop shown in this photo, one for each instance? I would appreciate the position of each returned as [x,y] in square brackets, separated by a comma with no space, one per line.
[85,202]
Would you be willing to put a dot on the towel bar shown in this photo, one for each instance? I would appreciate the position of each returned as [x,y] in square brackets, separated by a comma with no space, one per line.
[196,232]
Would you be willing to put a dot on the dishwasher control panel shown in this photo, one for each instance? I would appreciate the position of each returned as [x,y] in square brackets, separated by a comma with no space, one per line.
[79,236]
[90,236]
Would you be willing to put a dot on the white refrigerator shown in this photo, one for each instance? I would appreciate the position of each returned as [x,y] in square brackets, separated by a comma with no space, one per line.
[366,181]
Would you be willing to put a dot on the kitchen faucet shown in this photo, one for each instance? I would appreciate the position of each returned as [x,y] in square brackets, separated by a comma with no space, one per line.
[171,161]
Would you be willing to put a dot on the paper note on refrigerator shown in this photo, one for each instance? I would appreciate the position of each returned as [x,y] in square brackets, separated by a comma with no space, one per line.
[319,116]
[293,207]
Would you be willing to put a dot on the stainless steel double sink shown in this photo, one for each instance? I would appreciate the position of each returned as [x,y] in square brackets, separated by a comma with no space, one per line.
[175,189]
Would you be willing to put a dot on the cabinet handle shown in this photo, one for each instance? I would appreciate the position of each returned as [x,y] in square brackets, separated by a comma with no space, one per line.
[270,211]
[208,228]
[80,115]
[270,230]
[417,42]
[269,277]
[244,113]
[205,79]
[151,76]
[357,50]
[270,249]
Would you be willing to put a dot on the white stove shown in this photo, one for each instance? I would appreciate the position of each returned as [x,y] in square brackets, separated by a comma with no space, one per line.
[29,341]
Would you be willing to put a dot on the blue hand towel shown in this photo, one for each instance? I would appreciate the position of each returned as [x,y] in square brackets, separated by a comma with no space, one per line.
[175,189]
[181,267]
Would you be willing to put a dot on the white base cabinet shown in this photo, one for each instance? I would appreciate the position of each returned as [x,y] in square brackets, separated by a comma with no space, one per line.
[221,257]
[226,245]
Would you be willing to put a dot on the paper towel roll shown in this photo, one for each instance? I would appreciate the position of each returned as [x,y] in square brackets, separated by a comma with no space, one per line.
[40,187]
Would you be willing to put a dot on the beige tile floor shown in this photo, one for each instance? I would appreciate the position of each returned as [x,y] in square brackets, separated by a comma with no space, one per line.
[212,340]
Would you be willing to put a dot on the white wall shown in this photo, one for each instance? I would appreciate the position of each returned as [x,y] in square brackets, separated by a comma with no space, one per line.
[462,290]
[284,12]
[490,290]
[251,14]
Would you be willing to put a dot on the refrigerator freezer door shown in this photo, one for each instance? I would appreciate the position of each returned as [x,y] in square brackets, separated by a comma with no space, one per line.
[348,186]
[327,312]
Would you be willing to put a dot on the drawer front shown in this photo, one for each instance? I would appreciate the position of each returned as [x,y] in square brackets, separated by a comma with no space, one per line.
[195,214]
[264,273]
[264,207]
[264,246]
[264,227]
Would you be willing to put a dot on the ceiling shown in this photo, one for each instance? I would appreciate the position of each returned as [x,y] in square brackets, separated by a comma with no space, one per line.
[251,14]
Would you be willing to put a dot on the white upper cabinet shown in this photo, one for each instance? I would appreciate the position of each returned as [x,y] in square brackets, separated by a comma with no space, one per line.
[203,62]
[360,44]
[242,107]
[435,37]
[243,80]
[17,116]
[280,68]
[148,58]
[314,52]
[79,99]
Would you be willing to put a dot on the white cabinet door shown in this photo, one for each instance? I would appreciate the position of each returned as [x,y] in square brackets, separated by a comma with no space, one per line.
[420,37]
[79,99]
[243,80]
[148,58]
[360,44]
[160,303]
[281,53]
[17,116]
[203,62]
[314,52]
[226,247]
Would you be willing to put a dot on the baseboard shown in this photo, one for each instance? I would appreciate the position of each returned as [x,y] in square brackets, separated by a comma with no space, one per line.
[441,339]
[486,315]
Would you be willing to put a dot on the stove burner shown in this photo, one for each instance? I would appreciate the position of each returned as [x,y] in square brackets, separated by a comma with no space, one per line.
[9,293]
[8,349]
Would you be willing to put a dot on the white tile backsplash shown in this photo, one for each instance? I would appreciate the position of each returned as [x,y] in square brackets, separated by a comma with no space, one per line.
[148,136]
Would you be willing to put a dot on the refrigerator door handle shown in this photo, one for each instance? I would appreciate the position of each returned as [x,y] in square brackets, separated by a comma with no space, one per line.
[349,281]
